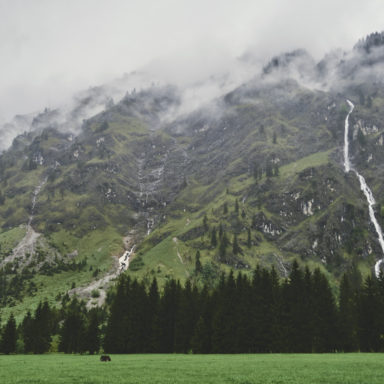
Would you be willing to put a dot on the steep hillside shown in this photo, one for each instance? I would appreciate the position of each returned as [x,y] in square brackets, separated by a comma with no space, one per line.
[254,177]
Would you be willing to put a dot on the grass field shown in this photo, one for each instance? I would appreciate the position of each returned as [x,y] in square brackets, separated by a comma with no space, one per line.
[237,369]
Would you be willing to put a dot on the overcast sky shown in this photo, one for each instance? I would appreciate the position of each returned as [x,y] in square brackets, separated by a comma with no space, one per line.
[51,48]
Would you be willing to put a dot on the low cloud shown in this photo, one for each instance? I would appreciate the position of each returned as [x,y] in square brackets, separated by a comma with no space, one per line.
[51,50]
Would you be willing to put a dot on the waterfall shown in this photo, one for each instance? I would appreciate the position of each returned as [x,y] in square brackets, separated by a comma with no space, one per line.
[364,187]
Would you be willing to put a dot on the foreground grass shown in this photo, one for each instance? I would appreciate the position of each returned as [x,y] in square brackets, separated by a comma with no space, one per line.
[238,369]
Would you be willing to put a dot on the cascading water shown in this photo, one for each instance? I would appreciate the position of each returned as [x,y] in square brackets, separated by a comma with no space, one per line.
[364,187]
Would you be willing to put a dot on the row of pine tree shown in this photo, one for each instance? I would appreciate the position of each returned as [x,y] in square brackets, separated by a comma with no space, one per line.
[261,314]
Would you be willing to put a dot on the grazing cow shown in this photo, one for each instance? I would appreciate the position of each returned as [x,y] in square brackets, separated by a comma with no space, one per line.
[105,358]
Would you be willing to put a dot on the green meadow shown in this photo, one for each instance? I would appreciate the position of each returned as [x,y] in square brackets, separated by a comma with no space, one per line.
[238,369]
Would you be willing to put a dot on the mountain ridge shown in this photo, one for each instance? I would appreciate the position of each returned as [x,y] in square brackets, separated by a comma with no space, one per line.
[259,170]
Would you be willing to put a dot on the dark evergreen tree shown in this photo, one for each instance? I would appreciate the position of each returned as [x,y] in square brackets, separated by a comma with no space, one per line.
[186,318]
[224,320]
[168,310]
[72,333]
[370,317]
[324,315]
[235,246]
[205,223]
[198,266]
[135,335]
[92,333]
[115,329]
[27,332]
[297,312]
[42,328]
[153,327]
[223,247]
[348,305]
[213,238]
[9,337]
[201,338]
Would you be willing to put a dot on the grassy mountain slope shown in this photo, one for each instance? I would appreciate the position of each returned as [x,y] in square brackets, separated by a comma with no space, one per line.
[262,165]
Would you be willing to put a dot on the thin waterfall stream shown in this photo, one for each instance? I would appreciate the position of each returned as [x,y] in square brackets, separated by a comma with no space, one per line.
[364,187]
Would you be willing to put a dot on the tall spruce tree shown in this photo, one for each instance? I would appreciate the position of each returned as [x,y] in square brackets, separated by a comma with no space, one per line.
[235,245]
[370,317]
[72,333]
[153,326]
[8,341]
[198,266]
[27,332]
[92,333]
[168,310]
[115,329]
[348,304]
[186,318]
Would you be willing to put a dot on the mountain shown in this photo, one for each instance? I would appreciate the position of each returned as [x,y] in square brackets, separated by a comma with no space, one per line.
[252,177]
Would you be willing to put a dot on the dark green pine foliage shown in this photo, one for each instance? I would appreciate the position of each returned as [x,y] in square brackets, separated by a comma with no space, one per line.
[153,327]
[297,312]
[235,246]
[244,321]
[224,319]
[135,334]
[9,336]
[115,330]
[371,317]
[223,248]
[239,315]
[42,328]
[205,223]
[263,311]
[73,330]
[198,266]
[324,315]
[92,333]
[348,309]
[27,332]
[169,305]
[187,316]
[201,338]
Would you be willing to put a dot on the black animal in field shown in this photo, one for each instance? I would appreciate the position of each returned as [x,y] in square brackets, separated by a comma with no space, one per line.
[105,358]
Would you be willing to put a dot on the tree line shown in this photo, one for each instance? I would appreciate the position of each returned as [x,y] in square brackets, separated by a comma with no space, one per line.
[242,314]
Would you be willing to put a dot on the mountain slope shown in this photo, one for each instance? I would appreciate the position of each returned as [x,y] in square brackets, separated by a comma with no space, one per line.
[254,177]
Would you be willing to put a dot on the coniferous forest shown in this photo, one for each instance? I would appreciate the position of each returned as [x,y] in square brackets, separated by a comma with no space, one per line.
[260,314]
